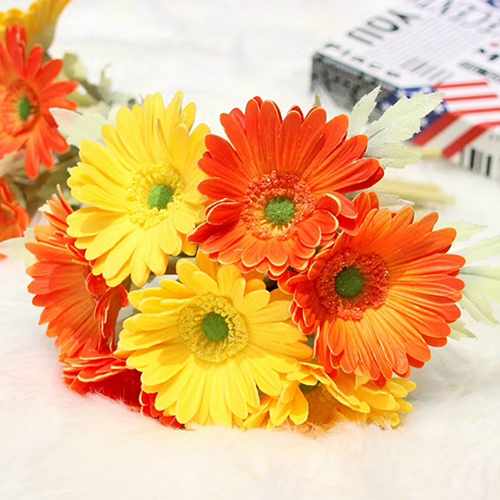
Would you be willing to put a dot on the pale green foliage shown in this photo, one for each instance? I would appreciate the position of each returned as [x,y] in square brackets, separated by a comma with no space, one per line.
[15,248]
[403,120]
[79,126]
[483,250]
[482,282]
[460,331]
[395,155]
[399,123]
[361,112]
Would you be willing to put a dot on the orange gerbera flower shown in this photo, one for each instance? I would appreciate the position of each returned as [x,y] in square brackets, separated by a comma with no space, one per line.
[380,298]
[27,93]
[80,309]
[108,375]
[13,217]
[277,191]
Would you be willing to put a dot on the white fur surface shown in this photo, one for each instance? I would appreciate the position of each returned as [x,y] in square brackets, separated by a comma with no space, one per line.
[56,445]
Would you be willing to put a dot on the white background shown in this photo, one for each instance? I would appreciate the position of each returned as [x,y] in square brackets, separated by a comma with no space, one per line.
[56,445]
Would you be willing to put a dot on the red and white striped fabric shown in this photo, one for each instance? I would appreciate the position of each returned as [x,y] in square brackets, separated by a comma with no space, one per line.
[471,109]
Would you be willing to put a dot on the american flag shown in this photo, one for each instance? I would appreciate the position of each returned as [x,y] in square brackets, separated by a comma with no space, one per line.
[469,109]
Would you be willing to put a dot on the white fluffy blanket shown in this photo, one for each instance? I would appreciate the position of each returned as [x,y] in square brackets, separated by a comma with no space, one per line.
[56,445]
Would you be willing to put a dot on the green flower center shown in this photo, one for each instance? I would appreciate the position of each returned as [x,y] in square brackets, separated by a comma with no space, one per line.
[214,327]
[279,211]
[349,283]
[24,108]
[160,196]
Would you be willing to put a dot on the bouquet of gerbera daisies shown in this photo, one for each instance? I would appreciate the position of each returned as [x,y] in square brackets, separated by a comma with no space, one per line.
[296,297]
[251,280]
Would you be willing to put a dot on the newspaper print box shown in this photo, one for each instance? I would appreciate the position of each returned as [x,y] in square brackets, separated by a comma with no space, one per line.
[450,46]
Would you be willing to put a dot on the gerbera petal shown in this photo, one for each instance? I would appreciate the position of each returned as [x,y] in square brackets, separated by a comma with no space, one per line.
[275,311]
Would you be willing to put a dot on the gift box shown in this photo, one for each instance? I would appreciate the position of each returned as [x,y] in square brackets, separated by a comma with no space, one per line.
[425,46]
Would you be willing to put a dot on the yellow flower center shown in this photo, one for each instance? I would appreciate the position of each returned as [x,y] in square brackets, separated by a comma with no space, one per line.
[153,190]
[212,328]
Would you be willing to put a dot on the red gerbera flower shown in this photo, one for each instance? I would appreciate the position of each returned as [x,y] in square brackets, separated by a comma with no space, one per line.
[80,309]
[13,217]
[276,190]
[27,92]
[105,374]
[109,375]
[380,298]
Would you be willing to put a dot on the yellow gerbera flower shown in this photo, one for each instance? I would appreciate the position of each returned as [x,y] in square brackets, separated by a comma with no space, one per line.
[312,398]
[293,403]
[209,344]
[39,21]
[386,403]
[140,190]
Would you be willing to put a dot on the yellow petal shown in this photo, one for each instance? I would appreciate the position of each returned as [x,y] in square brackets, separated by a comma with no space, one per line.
[299,409]
[140,270]
[267,380]
[179,144]
[172,363]
[141,359]
[188,114]
[187,247]
[137,296]
[377,399]
[248,386]
[254,302]
[219,412]
[97,155]
[107,239]
[119,255]
[275,311]
[226,277]
[175,290]
[234,394]
[157,260]
[120,276]
[90,221]
[171,391]
[203,283]
[255,284]
[131,340]
[206,265]
[170,240]
[189,400]
[151,321]
[202,417]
